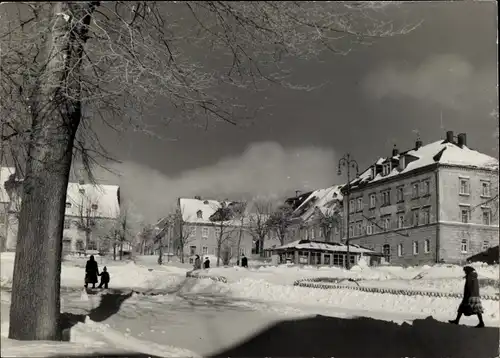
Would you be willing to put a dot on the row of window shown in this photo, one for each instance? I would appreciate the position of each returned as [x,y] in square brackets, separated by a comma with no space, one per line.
[464,248]
[419,189]
[213,251]
[465,187]
[93,206]
[465,214]
[418,217]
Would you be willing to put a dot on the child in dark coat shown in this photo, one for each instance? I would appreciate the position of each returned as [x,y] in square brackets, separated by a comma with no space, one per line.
[471,302]
[104,278]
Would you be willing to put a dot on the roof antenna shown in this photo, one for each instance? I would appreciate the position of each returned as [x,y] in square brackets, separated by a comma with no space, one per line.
[441,118]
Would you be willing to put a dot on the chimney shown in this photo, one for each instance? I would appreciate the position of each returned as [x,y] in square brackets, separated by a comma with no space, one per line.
[402,163]
[395,151]
[418,144]
[297,192]
[197,197]
[462,140]
[449,136]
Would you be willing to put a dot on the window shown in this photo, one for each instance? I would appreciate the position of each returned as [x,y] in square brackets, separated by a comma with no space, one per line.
[427,246]
[192,250]
[67,224]
[92,245]
[386,197]
[387,223]
[68,205]
[464,246]
[464,214]
[94,206]
[359,228]
[464,186]
[373,200]
[401,221]
[204,232]
[313,234]
[414,191]
[486,217]
[352,207]
[400,250]
[360,204]
[192,231]
[217,232]
[485,189]
[386,169]
[425,216]
[199,214]
[400,194]
[386,249]
[486,245]
[351,229]
[415,248]
[369,227]
[415,217]
[204,250]
[426,187]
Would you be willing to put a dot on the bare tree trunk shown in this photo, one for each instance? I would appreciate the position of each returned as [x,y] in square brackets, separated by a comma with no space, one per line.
[219,247]
[121,250]
[35,308]
[160,254]
[261,247]
[238,247]
[114,251]
[87,238]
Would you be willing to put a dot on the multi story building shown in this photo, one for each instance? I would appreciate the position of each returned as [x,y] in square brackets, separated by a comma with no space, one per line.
[91,212]
[432,203]
[319,216]
[198,226]
[5,206]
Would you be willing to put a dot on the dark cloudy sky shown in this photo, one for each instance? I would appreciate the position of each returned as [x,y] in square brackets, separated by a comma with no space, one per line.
[442,76]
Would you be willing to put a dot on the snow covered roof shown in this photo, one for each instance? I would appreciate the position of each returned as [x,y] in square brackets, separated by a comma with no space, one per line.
[440,152]
[5,173]
[100,200]
[190,208]
[324,246]
[325,200]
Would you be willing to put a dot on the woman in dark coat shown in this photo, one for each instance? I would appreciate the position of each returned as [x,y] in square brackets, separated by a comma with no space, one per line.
[471,303]
[197,263]
[91,272]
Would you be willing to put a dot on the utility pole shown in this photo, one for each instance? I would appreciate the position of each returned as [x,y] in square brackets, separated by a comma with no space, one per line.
[348,163]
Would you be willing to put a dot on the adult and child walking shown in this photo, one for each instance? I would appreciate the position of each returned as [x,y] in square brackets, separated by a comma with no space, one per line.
[92,274]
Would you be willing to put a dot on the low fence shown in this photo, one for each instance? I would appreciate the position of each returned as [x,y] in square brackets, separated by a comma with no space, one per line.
[191,274]
[328,283]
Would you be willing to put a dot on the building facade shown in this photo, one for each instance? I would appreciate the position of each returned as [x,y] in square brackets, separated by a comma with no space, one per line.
[319,216]
[433,203]
[91,213]
[201,232]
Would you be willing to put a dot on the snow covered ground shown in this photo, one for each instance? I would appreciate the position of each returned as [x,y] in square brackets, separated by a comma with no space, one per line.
[204,316]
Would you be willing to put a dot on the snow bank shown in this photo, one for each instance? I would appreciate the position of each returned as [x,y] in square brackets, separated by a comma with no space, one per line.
[88,338]
[443,278]
[261,290]
[124,274]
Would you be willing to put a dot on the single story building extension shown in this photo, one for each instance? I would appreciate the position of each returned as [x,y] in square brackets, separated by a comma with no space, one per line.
[308,252]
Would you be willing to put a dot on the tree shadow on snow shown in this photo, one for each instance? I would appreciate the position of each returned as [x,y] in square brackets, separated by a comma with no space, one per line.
[366,337]
[109,305]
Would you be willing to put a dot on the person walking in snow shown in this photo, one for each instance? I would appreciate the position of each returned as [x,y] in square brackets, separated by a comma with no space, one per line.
[91,272]
[197,263]
[244,261]
[206,263]
[471,302]
[104,278]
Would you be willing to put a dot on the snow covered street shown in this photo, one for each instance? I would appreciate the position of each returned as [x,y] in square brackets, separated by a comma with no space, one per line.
[259,312]
[217,325]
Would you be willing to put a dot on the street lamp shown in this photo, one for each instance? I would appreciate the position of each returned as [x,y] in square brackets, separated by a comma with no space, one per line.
[348,163]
